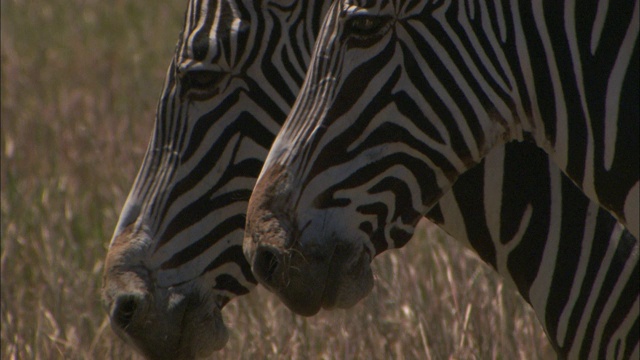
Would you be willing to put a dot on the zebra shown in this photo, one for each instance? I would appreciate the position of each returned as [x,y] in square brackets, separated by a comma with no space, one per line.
[175,258]
[164,283]
[403,98]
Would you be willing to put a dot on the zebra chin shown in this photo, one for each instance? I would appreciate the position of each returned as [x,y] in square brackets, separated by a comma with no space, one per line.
[308,270]
[176,322]
[306,281]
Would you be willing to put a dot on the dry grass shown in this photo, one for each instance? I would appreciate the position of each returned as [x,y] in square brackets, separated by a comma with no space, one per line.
[80,81]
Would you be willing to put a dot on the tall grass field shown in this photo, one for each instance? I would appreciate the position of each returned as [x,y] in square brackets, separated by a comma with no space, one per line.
[80,82]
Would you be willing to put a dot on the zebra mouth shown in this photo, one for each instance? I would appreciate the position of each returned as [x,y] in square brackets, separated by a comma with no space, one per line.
[163,323]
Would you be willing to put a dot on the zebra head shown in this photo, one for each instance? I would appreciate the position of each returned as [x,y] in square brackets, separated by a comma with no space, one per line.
[401,98]
[346,179]
[175,258]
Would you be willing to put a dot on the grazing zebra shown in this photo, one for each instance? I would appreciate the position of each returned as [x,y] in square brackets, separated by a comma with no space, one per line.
[175,260]
[402,98]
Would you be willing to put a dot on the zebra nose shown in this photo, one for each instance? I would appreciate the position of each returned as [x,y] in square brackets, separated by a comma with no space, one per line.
[125,309]
[268,266]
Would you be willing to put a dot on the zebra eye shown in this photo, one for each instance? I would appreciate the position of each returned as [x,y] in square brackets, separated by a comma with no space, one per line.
[200,84]
[201,80]
[364,25]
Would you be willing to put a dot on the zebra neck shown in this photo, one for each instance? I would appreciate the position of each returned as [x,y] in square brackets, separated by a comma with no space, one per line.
[560,74]
[548,241]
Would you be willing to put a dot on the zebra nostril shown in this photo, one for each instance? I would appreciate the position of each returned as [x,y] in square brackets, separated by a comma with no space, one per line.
[267,264]
[124,310]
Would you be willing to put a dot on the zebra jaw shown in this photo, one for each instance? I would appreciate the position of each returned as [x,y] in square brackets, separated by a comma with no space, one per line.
[338,275]
[160,322]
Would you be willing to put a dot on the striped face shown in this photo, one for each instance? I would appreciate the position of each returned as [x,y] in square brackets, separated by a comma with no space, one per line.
[360,159]
[175,258]
[400,99]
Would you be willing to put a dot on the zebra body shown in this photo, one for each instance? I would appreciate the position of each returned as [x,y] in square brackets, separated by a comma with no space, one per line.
[402,98]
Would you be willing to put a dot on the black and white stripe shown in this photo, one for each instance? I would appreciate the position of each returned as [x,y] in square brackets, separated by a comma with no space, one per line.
[403,98]
[567,257]
[466,77]
[175,258]
[222,104]
[227,91]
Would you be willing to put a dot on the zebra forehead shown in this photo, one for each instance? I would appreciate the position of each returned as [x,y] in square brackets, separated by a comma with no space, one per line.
[206,23]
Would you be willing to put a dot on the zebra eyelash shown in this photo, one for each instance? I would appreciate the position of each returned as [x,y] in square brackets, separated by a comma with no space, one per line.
[201,83]
[367,26]
[201,79]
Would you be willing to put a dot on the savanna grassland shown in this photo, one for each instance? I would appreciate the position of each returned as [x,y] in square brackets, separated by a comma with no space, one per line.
[80,82]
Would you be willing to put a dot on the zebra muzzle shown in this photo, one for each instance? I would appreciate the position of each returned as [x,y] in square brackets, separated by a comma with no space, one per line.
[268,267]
